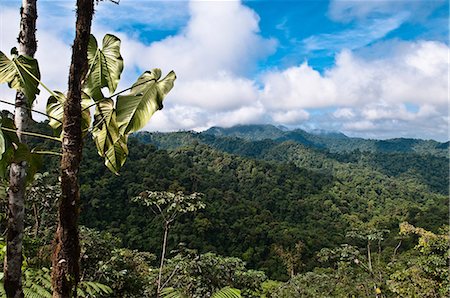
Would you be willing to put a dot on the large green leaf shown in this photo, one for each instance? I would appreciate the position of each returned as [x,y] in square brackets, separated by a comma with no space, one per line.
[105,129]
[55,109]
[110,144]
[227,292]
[145,98]
[105,65]
[18,73]
[116,155]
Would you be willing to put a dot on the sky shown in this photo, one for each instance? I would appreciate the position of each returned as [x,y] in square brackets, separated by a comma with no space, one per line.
[367,68]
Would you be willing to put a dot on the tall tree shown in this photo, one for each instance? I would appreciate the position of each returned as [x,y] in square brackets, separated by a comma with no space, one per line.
[66,252]
[18,170]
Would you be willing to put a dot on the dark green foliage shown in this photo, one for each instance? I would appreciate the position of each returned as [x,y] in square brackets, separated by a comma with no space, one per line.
[263,194]
[202,275]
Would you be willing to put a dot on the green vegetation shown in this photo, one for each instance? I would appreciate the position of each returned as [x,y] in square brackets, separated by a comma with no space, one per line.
[280,219]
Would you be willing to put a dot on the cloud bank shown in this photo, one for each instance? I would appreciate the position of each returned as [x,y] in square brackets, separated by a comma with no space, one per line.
[217,53]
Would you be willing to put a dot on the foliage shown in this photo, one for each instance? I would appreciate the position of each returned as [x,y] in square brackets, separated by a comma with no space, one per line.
[37,283]
[424,272]
[169,204]
[21,73]
[202,275]
[226,292]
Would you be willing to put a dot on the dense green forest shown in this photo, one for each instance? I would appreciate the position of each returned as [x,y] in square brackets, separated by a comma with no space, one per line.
[287,214]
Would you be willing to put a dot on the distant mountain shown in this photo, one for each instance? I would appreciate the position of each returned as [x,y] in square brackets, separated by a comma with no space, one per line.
[425,161]
[333,141]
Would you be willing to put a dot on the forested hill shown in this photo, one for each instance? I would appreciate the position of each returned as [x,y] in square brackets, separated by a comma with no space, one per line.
[263,194]
[423,161]
[295,211]
[334,141]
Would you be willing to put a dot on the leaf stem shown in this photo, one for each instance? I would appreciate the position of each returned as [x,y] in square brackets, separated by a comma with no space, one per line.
[39,81]
[32,134]
[47,152]
[30,109]
[115,94]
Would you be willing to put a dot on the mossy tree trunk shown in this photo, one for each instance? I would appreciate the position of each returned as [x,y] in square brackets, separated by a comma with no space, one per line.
[66,251]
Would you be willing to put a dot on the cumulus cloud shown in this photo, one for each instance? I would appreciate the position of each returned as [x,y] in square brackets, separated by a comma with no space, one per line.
[298,87]
[416,73]
[370,94]
[219,37]
[399,92]
[290,117]
[221,93]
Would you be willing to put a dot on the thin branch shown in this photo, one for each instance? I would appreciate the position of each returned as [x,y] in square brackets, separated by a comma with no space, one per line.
[31,134]
[396,249]
[125,90]
[30,109]
[115,94]
[47,153]
[170,277]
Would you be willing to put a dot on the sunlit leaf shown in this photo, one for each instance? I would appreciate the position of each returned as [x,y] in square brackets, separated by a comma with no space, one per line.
[105,129]
[55,109]
[116,155]
[17,73]
[110,144]
[145,98]
[105,65]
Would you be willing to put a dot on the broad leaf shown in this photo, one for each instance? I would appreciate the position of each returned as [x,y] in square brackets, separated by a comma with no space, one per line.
[55,109]
[110,144]
[18,73]
[105,129]
[145,98]
[116,155]
[105,65]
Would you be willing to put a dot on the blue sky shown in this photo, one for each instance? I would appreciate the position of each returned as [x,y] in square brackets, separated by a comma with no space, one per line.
[368,68]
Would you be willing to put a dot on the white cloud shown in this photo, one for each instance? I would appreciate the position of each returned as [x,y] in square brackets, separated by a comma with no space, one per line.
[290,117]
[345,113]
[297,87]
[221,93]
[219,37]
[363,125]
[400,92]
[371,94]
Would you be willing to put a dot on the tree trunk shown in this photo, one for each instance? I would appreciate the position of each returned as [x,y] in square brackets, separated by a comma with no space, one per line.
[66,251]
[17,177]
[163,255]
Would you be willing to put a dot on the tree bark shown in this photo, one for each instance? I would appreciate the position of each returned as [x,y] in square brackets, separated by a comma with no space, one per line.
[17,177]
[163,255]
[66,251]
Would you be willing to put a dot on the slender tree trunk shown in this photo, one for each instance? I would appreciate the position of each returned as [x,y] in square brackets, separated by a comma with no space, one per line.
[17,176]
[369,257]
[163,255]
[66,252]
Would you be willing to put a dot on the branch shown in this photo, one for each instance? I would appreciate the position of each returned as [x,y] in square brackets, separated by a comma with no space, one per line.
[170,277]
[47,152]
[115,94]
